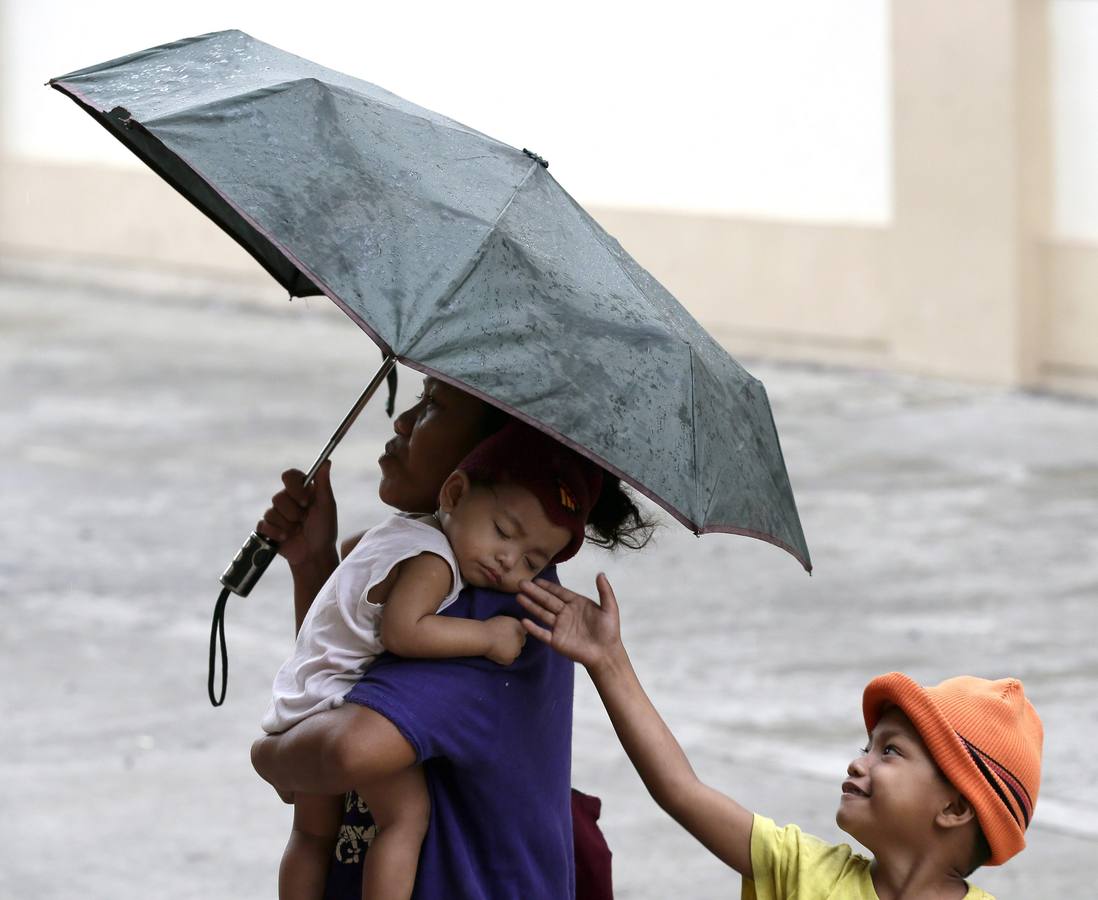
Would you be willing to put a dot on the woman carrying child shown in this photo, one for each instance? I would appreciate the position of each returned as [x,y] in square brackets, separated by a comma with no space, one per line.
[494,741]
[516,504]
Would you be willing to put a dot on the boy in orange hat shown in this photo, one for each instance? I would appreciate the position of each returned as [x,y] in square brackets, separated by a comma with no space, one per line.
[946,783]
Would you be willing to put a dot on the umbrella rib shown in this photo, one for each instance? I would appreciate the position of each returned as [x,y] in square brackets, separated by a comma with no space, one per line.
[694,432]
[726,461]
[474,261]
[801,556]
[600,233]
[602,236]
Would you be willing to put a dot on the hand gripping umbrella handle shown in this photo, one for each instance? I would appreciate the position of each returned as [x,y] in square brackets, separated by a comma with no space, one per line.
[252,559]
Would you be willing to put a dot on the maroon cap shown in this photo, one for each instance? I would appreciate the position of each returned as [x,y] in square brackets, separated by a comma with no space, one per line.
[566,484]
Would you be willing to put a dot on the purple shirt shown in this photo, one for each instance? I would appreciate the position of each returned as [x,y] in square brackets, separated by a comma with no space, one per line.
[495,743]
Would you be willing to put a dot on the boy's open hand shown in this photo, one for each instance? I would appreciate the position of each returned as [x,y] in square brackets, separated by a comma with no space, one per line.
[579,628]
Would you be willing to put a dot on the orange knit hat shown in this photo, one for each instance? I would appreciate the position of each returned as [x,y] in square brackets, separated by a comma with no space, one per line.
[986,738]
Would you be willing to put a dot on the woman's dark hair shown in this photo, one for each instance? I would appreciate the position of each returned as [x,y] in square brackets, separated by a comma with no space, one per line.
[615,520]
[494,419]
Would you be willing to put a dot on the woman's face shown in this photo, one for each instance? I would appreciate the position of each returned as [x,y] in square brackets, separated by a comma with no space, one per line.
[431,438]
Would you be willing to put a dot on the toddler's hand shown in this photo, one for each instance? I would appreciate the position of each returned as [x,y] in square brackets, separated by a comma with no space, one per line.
[507,638]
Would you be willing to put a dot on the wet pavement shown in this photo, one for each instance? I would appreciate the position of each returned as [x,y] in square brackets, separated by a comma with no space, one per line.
[145,419]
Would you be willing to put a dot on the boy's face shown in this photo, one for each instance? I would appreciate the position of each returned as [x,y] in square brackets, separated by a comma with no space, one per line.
[894,790]
[499,532]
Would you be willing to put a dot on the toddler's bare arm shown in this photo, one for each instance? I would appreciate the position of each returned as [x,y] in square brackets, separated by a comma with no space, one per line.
[589,633]
[409,626]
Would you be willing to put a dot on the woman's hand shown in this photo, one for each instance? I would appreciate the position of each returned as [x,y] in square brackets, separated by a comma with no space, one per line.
[303,519]
[582,630]
[507,638]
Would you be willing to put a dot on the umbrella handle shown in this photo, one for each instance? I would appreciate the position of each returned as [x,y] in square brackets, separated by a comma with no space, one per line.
[252,559]
[249,564]
[258,552]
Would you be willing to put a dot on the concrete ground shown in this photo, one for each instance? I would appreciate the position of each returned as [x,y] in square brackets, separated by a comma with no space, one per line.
[145,419]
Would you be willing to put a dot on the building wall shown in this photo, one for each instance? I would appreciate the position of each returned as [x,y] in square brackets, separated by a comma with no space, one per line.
[982,264]
[1074,120]
[776,109]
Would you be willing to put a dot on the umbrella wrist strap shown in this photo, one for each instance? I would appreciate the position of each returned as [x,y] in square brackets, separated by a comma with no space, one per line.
[217,636]
[258,551]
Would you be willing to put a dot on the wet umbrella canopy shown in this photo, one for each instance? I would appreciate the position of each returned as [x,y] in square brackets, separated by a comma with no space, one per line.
[460,256]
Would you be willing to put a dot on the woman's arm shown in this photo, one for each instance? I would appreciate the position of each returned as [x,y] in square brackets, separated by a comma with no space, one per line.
[409,626]
[335,751]
[303,521]
[589,633]
[309,578]
[332,752]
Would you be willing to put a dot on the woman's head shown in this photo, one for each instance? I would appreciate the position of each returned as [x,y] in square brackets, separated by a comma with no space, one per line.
[430,439]
[440,430]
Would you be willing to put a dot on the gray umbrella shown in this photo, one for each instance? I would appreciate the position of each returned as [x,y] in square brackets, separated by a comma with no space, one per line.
[461,257]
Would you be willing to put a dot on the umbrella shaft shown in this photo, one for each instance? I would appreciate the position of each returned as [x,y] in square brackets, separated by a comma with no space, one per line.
[349,419]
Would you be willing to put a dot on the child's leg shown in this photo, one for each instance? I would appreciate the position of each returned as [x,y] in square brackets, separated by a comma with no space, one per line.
[400,807]
[308,852]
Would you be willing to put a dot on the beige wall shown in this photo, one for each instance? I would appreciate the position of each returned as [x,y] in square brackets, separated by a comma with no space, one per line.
[965,282]
[95,212]
[1069,358]
[957,231]
[779,289]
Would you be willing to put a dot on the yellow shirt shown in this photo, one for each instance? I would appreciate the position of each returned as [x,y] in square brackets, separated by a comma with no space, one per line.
[787,863]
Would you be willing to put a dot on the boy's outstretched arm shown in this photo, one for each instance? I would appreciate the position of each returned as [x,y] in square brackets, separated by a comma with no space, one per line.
[588,632]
